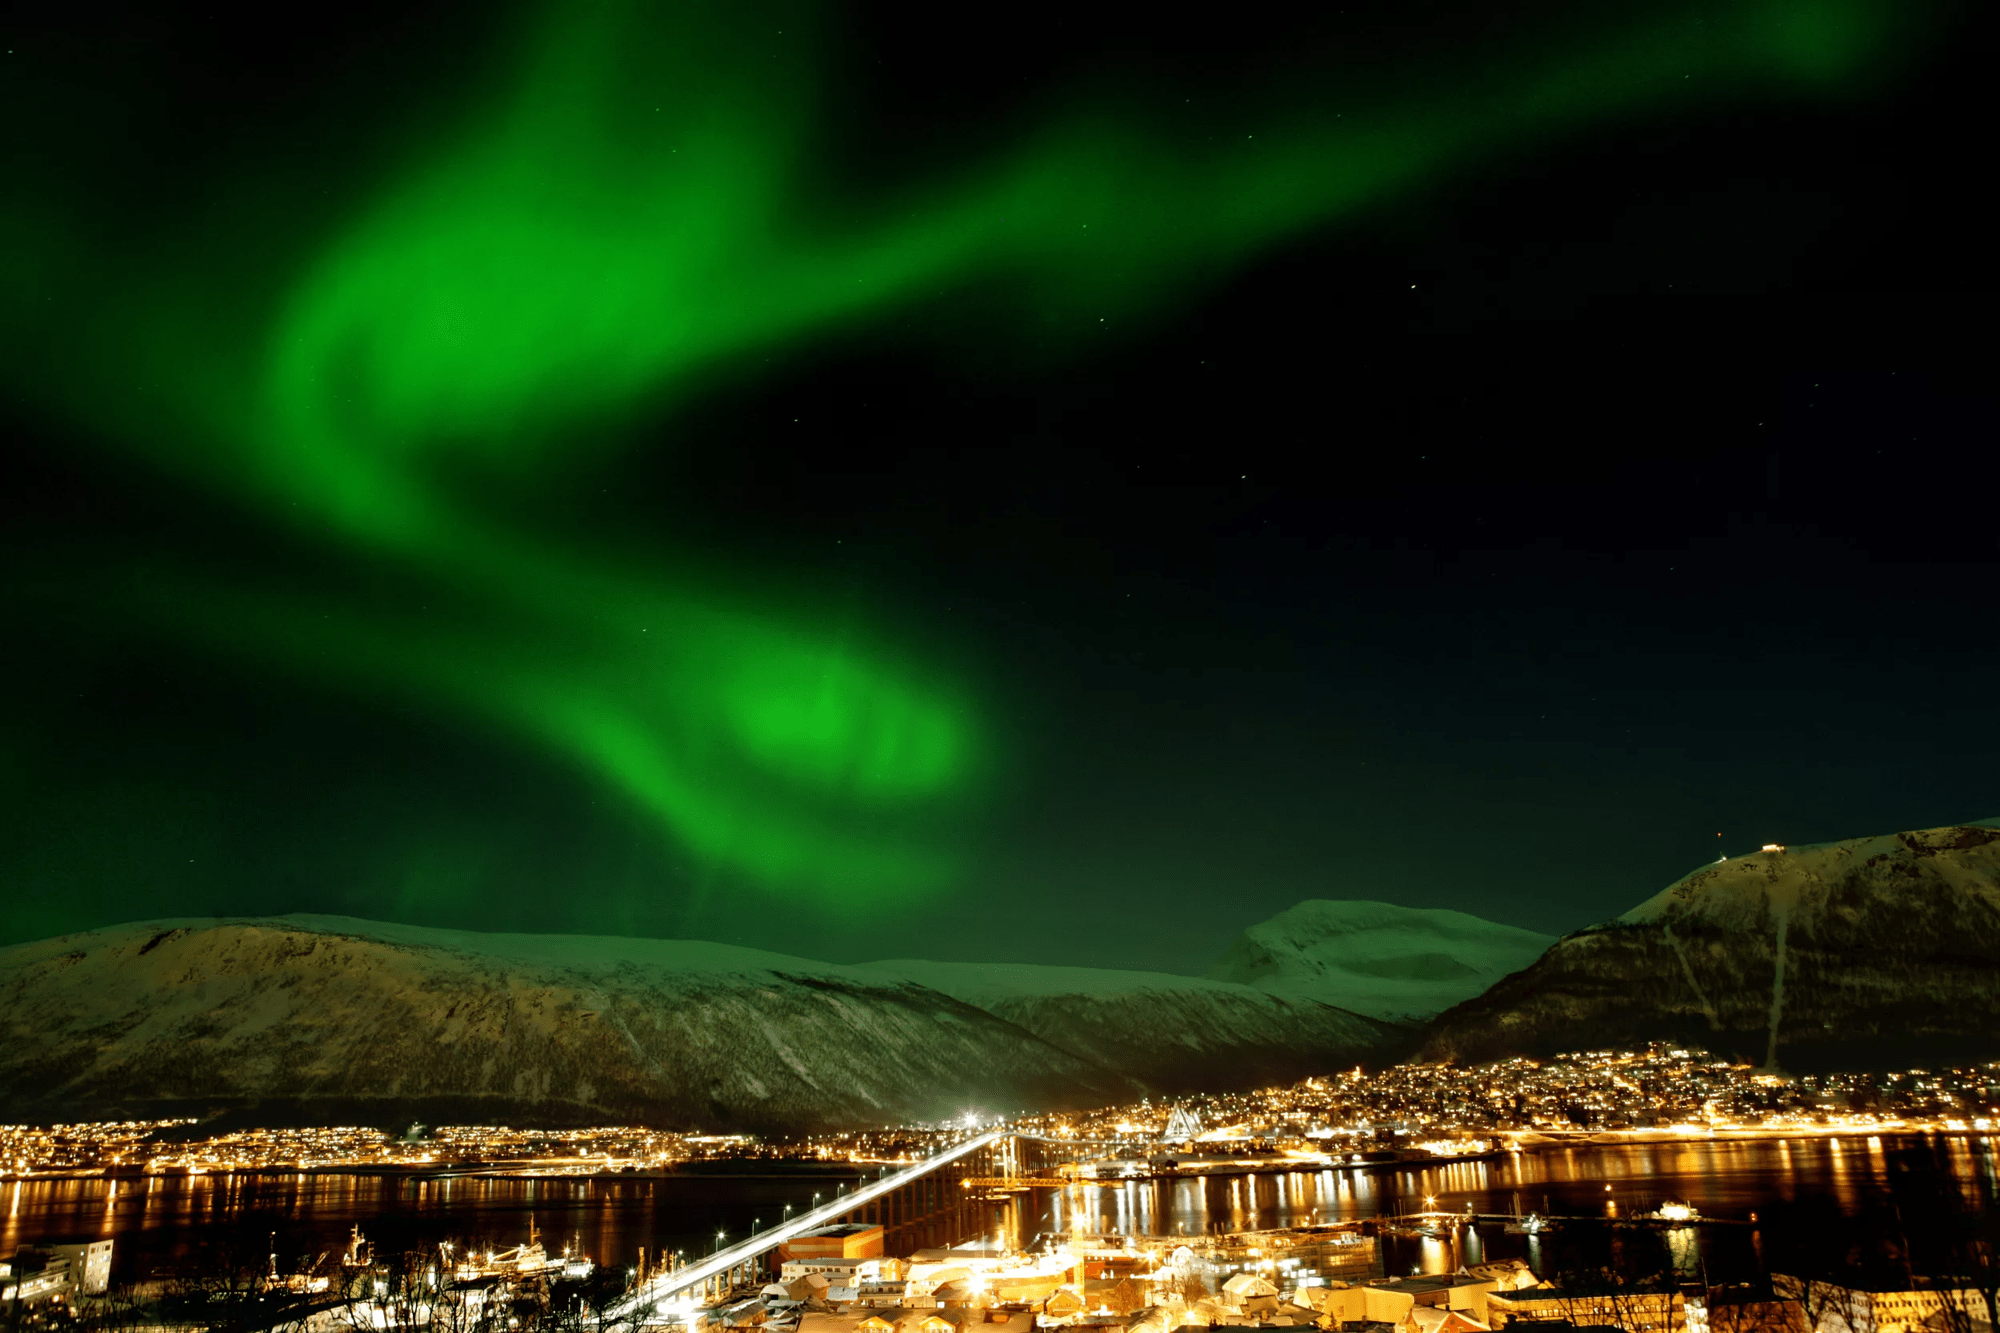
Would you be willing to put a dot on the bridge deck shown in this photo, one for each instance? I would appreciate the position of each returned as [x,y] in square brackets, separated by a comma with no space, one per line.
[664,1288]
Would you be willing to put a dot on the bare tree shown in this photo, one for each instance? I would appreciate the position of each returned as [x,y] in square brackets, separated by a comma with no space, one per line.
[119,1310]
[1753,1308]
[420,1291]
[589,1307]
[1605,1295]
[1825,1305]
[1827,1259]
[223,1288]
[1604,1276]
[1124,1297]
[1966,1272]
[1953,1244]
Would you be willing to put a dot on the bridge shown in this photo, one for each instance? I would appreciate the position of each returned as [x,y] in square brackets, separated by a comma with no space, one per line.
[927,1203]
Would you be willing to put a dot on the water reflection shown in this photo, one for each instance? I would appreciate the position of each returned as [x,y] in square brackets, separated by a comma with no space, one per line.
[1721,1179]
[1728,1178]
[161,1218]
[1684,1250]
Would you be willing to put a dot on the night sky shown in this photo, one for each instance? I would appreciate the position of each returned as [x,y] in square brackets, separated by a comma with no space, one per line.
[1058,483]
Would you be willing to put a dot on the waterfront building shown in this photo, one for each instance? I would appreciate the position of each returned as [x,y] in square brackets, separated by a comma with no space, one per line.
[1636,1309]
[56,1272]
[841,1241]
[1832,1307]
[1463,1292]
[1435,1319]
[1747,1308]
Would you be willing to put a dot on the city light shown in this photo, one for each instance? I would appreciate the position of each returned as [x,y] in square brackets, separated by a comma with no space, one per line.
[1436,1112]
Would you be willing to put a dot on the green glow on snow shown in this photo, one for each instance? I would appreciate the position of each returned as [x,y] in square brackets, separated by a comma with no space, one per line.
[643,207]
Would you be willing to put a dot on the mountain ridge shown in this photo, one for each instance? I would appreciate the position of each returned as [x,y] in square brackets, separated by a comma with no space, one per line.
[308,1013]
[1848,953]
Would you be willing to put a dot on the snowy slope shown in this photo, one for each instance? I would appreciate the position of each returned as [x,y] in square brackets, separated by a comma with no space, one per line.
[1188,1031]
[316,1017]
[1401,964]
[1861,952]
[987,984]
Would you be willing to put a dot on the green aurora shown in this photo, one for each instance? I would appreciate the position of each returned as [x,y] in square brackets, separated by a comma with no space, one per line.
[634,208]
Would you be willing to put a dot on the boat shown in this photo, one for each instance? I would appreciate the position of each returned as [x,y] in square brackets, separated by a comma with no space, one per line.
[529,1260]
[1427,1230]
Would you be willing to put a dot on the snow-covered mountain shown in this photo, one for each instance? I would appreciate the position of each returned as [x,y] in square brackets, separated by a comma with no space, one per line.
[335,1019]
[1400,964]
[1185,1031]
[1869,952]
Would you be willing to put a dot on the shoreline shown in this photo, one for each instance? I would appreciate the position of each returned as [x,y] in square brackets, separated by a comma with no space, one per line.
[784,1168]
[495,1171]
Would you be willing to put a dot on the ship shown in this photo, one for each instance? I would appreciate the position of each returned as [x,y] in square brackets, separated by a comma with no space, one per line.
[1531,1225]
[529,1259]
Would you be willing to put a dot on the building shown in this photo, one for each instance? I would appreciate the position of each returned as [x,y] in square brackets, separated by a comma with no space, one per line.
[828,1272]
[1745,1309]
[885,1286]
[1636,1309]
[1395,1301]
[1831,1307]
[843,1240]
[874,1280]
[1436,1319]
[1465,1293]
[50,1272]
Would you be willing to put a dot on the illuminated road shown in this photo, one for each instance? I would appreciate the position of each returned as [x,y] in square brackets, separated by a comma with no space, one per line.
[668,1285]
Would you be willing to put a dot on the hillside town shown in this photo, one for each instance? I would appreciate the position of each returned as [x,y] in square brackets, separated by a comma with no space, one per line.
[1657,1091]
[168,1147]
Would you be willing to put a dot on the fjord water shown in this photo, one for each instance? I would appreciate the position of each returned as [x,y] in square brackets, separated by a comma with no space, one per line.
[161,1220]
[1722,1178]
[1773,1182]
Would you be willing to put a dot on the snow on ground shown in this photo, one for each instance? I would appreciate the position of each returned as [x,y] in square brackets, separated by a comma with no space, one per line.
[381,1020]
[1379,959]
[1874,952]
[1741,891]
[986,984]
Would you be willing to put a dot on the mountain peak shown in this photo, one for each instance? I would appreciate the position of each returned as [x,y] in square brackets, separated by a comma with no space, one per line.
[1857,953]
[1798,881]
[1381,959]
